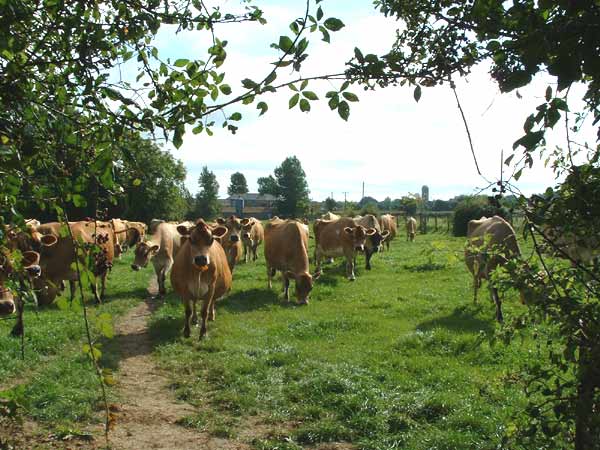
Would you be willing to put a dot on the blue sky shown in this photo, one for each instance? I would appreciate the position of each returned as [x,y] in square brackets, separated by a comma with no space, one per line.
[391,143]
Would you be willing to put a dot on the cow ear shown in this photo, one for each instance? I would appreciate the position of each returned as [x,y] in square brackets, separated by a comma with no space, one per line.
[30,258]
[154,248]
[219,232]
[183,230]
[221,221]
[182,239]
[385,234]
[348,230]
[370,231]
[48,240]
[245,221]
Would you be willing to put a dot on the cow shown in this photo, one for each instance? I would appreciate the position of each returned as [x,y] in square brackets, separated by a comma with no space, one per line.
[120,230]
[411,228]
[200,271]
[491,243]
[286,250]
[388,223]
[341,237]
[252,236]
[330,216]
[136,231]
[232,241]
[28,269]
[374,242]
[161,249]
[57,260]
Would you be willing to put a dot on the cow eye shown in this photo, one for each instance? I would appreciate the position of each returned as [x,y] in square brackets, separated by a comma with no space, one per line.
[211,240]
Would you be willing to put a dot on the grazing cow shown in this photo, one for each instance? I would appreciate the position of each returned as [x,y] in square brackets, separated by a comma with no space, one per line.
[136,231]
[330,216]
[286,250]
[388,223]
[161,248]
[491,243]
[200,271]
[232,241]
[252,236]
[374,242]
[411,228]
[341,237]
[120,236]
[56,261]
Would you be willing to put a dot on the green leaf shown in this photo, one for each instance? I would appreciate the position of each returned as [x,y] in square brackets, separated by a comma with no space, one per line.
[417,93]
[344,110]
[310,95]
[137,182]
[530,140]
[225,89]
[333,102]
[79,200]
[236,116]
[181,62]
[508,160]
[319,13]
[286,44]
[263,107]
[350,96]
[333,24]
[198,129]
[548,93]
[304,105]
[303,85]
[358,55]
[271,78]
[293,100]
[249,84]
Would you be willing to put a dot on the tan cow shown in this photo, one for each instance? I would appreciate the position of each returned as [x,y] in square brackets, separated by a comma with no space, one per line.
[491,243]
[56,260]
[374,242]
[341,237]
[200,272]
[136,231]
[330,216]
[253,234]
[286,250]
[388,223]
[120,236]
[411,228]
[232,241]
[161,249]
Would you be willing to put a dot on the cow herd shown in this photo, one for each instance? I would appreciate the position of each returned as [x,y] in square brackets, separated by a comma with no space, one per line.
[201,256]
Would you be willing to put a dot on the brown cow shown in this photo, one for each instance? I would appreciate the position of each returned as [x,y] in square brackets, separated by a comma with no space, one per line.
[120,229]
[330,216]
[232,241]
[342,237]
[286,250]
[200,271]
[252,236]
[388,223]
[411,228]
[161,248]
[136,231]
[374,242]
[491,243]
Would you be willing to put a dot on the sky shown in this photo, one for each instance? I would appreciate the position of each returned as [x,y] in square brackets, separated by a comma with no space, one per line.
[390,143]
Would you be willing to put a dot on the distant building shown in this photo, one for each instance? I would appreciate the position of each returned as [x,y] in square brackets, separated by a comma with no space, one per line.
[249,205]
[425,194]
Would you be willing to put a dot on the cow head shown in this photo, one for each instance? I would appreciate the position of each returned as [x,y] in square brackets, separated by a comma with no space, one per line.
[247,225]
[200,237]
[304,284]
[358,236]
[234,229]
[29,268]
[376,240]
[144,252]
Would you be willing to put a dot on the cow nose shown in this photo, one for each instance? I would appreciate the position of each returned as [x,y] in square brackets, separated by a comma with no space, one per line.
[246,235]
[34,271]
[234,238]
[6,308]
[201,260]
[135,267]
[360,248]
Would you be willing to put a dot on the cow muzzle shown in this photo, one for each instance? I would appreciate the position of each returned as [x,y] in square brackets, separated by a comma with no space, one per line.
[34,271]
[7,307]
[234,238]
[201,260]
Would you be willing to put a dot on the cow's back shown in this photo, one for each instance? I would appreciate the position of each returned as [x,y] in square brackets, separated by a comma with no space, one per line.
[369,221]
[169,240]
[328,233]
[388,222]
[494,235]
[286,246]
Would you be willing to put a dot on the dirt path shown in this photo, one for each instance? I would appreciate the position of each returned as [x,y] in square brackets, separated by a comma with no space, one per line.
[147,415]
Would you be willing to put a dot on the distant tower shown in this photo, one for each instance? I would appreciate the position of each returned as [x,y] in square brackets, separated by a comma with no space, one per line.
[425,193]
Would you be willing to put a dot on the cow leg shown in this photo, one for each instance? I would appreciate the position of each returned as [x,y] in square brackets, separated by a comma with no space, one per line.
[17,330]
[188,306]
[255,252]
[207,305]
[286,287]
[94,288]
[476,284]
[194,319]
[103,284]
[318,257]
[246,251]
[498,303]
[72,289]
[350,268]
[270,274]
[368,254]
[211,312]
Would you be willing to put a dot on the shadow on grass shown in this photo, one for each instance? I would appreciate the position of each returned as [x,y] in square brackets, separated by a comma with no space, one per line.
[251,299]
[139,292]
[425,267]
[461,319]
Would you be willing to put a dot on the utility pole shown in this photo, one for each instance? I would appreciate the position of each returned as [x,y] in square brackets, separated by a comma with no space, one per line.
[363,191]
[344,199]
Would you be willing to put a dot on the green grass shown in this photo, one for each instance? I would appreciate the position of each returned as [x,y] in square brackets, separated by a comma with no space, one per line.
[56,383]
[396,359]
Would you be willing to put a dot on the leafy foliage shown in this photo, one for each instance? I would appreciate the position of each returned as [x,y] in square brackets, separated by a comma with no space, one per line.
[473,208]
[289,186]
[207,199]
[238,184]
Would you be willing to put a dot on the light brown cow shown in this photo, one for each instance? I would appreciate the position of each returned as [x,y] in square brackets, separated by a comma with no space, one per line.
[252,236]
[286,250]
[330,216]
[232,241]
[200,271]
[342,237]
[374,242]
[161,249]
[56,261]
[411,228]
[136,231]
[120,236]
[491,243]
[388,223]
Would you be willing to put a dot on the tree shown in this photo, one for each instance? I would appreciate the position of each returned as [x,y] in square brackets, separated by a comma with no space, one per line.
[207,201]
[289,186]
[268,185]
[442,40]
[409,205]
[330,204]
[238,184]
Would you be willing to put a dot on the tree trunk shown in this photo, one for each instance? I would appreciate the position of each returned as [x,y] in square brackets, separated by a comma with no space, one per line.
[584,408]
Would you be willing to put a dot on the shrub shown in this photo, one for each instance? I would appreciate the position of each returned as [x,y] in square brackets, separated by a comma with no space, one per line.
[474,207]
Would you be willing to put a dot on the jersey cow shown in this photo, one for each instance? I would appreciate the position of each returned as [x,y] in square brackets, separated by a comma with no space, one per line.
[253,234]
[200,272]
[341,237]
[232,240]
[491,243]
[286,250]
[374,242]
[411,228]
[388,223]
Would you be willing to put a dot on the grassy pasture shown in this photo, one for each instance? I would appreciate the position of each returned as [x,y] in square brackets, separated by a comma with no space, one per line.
[396,359]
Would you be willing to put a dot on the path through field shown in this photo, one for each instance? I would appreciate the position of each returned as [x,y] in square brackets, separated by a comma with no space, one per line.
[148,413]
